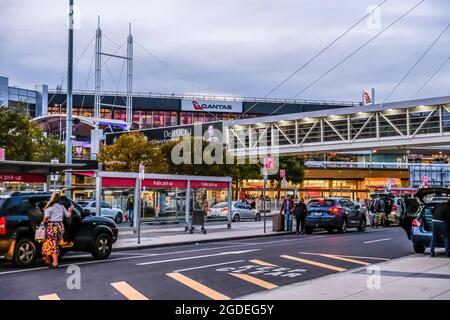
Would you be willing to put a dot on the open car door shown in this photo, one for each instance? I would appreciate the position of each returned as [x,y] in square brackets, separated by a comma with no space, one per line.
[412,212]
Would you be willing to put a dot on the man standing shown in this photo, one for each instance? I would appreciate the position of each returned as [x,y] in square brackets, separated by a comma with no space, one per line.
[300,216]
[286,209]
[441,219]
[130,210]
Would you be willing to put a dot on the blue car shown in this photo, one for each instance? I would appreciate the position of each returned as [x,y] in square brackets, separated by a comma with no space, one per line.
[417,220]
[334,214]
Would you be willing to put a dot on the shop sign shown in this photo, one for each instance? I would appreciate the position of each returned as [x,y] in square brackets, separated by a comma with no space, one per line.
[282,173]
[209,184]
[211,106]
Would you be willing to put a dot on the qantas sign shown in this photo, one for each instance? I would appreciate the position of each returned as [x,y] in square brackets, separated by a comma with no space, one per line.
[211,106]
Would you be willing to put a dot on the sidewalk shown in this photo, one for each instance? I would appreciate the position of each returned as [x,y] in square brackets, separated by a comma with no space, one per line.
[415,277]
[156,236]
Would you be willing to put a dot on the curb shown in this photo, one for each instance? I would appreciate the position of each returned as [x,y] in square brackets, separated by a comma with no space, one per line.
[188,242]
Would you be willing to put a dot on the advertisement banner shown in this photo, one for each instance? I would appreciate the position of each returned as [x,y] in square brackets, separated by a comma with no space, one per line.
[212,106]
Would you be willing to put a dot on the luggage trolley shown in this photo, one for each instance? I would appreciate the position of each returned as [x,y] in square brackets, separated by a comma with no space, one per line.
[198,219]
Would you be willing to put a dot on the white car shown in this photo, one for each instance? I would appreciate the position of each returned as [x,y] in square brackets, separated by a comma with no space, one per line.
[105,210]
[239,210]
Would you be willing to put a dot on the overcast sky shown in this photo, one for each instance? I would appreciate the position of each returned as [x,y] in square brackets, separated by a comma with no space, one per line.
[232,47]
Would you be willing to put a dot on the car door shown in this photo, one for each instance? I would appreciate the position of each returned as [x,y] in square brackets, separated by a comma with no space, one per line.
[106,209]
[247,211]
[412,212]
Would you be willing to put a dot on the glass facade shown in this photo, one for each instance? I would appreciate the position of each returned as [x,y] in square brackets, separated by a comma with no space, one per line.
[27,97]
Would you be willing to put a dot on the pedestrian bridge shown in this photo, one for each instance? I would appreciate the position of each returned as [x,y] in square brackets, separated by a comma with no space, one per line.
[380,126]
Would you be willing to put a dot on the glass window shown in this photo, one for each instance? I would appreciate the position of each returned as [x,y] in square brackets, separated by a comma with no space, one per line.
[186,118]
[321,203]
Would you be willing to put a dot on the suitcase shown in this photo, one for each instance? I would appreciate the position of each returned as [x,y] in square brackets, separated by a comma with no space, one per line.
[278,222]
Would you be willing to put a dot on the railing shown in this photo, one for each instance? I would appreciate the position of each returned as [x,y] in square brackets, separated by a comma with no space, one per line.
[211,97]
[371,165]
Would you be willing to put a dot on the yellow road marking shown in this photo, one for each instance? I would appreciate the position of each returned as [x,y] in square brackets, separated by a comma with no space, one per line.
[258,282]
[262,263]
[332,256]
[52,296]
[128,291]
[197,286]
[314,263]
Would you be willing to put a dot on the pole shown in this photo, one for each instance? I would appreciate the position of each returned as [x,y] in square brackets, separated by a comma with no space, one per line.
[137,209]
[68,159]
[264,200]
[230,199]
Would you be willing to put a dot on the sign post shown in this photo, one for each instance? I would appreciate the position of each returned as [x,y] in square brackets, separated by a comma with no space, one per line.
[140,202]
[283,182]
[268,165]
[2,154]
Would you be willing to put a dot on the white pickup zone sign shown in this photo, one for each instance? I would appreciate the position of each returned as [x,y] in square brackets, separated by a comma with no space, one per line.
[253,269]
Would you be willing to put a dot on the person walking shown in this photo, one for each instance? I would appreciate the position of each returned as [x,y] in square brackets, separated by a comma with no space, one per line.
[300,216]
[440,226]
[54,214]
[286,209]
[130,210]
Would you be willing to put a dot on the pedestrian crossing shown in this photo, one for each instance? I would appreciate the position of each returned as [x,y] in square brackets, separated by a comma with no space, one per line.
[256,274]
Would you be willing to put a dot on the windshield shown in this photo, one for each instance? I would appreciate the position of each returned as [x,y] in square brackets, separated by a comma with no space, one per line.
[436,197]
[321,203]
[221,205]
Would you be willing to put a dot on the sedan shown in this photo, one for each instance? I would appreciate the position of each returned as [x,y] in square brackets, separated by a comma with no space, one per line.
[105,210]
[239,210]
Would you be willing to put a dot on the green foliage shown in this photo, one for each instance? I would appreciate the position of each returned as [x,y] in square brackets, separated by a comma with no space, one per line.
[24,140]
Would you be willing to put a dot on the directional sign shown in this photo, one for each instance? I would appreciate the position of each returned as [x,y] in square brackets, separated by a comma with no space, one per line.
[269,163]
[282,173]
[2,154]
[141,171]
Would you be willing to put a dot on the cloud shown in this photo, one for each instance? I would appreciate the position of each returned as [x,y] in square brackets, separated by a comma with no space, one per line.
[234,47]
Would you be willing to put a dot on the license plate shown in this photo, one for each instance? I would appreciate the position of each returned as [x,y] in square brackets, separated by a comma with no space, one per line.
[318,213]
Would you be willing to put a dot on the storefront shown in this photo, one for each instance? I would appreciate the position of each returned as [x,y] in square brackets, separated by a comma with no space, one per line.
[162,197]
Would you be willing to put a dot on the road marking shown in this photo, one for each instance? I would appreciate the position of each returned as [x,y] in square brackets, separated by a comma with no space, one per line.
[262,263]
[346,256]
[332,256]
[52,296]
[128,291]
[379,240]
[209,265]
[196,257]
[197,286]
[258,282]
[314,263]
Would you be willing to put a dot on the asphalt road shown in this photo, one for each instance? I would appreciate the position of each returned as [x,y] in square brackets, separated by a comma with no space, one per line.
[218,270]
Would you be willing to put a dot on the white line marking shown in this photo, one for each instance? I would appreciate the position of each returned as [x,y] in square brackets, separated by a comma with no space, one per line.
[379,240]
[196,257]
[209,265]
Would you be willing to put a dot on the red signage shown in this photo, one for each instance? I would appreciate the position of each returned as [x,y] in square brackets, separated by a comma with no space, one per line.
[164,183]
[23,177]
[209,184]
[118,182]
[282,173]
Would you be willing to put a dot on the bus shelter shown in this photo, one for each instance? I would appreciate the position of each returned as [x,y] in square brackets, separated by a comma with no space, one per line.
[161,195]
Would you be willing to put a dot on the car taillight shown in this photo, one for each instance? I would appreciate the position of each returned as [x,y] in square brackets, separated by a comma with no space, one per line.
[394,207]
[333,210]
[224,210]
[416,223]
[3,225]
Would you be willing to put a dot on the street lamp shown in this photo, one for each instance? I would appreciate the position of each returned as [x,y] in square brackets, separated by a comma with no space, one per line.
[68,159]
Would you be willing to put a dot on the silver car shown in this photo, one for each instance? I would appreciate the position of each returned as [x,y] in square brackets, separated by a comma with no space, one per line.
[239,211]
[105,210]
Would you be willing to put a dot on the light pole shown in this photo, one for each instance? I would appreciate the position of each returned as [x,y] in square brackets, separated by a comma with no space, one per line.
[68,175]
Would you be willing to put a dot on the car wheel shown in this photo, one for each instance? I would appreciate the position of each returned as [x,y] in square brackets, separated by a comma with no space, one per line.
[418,248]
[309,230]
[102,246]
[343,227]
[25,253]
[236,218]
[362,226]
[258,217]
[119,218]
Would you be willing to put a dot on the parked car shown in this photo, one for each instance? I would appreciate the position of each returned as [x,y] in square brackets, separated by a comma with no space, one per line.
[83,232]
[417,220]
[239,211]
[396,204]
[334,213]
[105,210]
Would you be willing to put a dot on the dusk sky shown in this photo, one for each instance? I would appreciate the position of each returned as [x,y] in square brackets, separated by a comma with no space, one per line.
[234,47]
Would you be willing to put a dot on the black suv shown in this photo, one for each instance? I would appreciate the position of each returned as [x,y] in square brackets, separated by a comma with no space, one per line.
[83,232]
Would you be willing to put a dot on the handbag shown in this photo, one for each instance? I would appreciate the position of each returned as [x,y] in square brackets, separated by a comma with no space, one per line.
[41,233]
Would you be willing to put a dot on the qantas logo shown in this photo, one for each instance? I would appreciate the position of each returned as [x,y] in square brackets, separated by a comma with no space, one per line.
[200,107]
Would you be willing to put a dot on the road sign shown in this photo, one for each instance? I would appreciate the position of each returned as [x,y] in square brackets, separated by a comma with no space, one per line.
[282,173]
[269,163]
[425,180]
[2,154]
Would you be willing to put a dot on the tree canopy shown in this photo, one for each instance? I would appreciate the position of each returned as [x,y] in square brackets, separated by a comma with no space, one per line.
[24,140]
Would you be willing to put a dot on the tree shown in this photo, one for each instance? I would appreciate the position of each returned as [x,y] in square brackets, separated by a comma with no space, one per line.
[294,168]
[24,140]
[129,150]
